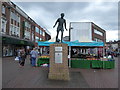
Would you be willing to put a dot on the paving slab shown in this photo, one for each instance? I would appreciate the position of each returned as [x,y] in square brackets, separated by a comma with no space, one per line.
[29,77]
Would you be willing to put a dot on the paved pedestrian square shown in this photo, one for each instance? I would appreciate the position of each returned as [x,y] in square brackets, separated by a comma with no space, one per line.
[29,77]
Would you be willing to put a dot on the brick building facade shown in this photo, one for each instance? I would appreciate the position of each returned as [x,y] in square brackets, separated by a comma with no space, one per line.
[18,30]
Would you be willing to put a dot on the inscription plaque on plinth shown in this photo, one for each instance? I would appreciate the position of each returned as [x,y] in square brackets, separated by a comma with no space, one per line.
[58,48]
[59,62]
[58,57]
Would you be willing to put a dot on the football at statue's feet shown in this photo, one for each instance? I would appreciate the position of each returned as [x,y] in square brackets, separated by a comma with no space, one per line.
[58,40]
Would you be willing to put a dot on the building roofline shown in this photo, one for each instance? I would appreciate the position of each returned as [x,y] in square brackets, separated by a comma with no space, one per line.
[47,31]
[89,22]
[80,22]
[27,16]
[98,27]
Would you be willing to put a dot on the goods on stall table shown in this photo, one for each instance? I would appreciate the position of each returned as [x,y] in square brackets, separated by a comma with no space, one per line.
[44,56]
[104,59]
[44,65]
[92,59]
[43,60]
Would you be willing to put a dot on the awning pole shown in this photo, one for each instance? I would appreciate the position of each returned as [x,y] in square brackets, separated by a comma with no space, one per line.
[69,56]
[103,51]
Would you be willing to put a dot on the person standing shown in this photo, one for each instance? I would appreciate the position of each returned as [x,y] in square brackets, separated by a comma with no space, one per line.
[22,57]
[34,55]
[18,54]
[30,57]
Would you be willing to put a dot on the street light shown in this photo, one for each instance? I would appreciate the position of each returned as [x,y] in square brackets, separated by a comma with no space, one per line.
[70,48]
[69,32]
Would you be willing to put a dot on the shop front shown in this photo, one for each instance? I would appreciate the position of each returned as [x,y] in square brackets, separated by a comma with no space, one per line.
[10,45]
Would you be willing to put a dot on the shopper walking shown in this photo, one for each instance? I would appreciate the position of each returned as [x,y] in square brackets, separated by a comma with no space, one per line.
[34,55]
[18,54]
[22,57]
[30,57]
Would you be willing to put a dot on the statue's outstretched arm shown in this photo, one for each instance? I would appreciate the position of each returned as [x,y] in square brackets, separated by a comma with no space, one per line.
[55,23]
[65,25]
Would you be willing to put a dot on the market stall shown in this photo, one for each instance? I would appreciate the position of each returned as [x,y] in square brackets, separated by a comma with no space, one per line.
[43,61]
[84,55]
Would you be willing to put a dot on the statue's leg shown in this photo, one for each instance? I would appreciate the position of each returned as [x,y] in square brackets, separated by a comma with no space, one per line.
[57,35]
[61,35]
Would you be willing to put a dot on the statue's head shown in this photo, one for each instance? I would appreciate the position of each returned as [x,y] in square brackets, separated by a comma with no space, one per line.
[62,14]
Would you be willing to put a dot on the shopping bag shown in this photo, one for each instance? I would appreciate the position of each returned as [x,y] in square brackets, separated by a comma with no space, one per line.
[17,59]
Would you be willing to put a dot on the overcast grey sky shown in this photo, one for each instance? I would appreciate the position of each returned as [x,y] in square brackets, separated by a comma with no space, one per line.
[104,14]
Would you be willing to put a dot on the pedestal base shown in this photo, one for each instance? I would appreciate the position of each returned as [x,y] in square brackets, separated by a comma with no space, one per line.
[59,76]
[59,70]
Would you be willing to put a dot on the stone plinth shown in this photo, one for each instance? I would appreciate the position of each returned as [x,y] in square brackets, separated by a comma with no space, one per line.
[59,62]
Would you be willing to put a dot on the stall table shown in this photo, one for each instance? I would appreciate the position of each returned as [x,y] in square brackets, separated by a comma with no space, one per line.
[97,64]
[41,61]
[85,64]
[108,64]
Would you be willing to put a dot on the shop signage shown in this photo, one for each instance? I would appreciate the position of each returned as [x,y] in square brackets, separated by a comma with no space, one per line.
[21,42]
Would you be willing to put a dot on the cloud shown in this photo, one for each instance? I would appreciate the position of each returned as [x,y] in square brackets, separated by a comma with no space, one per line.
[104,14]
[112,34]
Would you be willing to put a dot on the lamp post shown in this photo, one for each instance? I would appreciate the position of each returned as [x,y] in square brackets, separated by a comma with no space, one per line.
[69,32]
[70,48]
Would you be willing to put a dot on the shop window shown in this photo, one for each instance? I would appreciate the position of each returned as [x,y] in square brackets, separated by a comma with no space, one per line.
[27,34]
[98,32]
[15,31]
[7,50]
[18,32]
[37,29]
[3,9]
[18,18]
[3,26]
[12,14]
[97,40]
[40,39]
[27,24]
[32,36]
[32,27]
[15,16]
[11,30]
[15,23]
[11,21]
[43,33]
[40,32]
[18,24]
[36,39]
